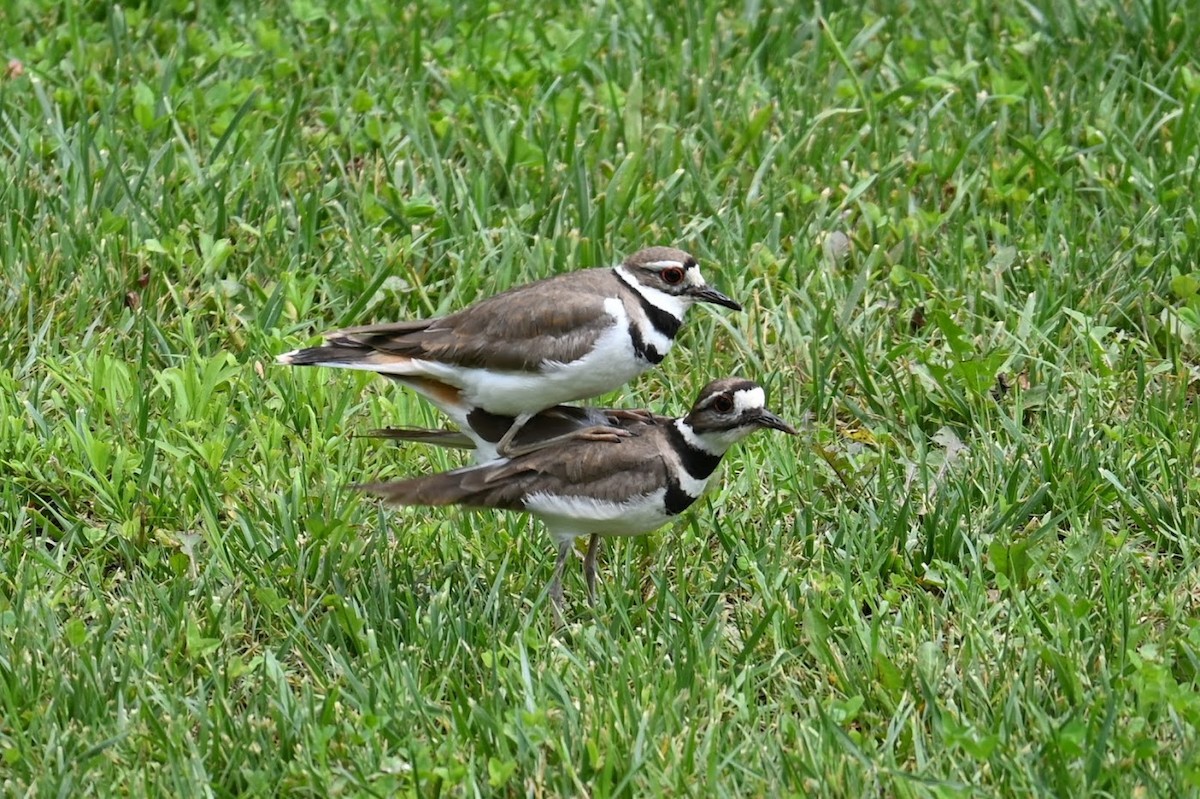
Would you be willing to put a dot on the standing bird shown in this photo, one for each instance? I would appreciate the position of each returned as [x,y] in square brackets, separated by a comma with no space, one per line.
[631,483]
[564,338]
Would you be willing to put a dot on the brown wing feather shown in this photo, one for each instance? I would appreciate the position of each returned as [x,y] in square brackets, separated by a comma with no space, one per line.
[518,329]
[601,469]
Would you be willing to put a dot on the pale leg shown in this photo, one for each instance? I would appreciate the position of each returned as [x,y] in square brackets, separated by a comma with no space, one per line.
[556,591]
[504,445]
[589,567]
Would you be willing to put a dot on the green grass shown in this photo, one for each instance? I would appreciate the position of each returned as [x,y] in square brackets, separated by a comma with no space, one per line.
[973,575]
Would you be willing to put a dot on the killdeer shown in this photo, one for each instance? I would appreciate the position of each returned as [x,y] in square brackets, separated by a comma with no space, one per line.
[560,339]
[627,485]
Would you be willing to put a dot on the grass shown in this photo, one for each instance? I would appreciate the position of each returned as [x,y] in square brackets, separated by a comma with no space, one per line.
[966,236]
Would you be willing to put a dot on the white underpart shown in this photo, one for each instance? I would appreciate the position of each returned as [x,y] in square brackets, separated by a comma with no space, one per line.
[569,517]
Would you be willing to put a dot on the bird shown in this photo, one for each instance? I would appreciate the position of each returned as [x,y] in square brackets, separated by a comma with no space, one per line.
[627,485]
[561,339]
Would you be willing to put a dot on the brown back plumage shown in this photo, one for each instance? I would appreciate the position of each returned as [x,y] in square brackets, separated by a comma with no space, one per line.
[515,330]
[603,470]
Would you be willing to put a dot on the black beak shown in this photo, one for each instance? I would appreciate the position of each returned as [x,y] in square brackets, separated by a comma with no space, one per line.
[765,418]
[709,294]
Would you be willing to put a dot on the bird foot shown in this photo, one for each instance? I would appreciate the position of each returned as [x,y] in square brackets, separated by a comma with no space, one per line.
[629,414]
[601,433]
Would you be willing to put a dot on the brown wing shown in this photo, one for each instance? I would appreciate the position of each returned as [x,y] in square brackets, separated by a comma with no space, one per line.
[604,470]
[518,329]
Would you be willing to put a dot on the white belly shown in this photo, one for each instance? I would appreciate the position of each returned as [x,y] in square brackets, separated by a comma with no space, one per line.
[569,517]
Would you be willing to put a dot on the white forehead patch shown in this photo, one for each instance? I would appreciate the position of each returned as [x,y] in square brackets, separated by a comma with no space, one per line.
[749,399]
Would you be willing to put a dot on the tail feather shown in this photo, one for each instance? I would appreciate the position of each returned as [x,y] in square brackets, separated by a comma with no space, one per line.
[387,336]
[347,354]
[467,487]
[439,438]
[384,345]
[433,491]
[326,355]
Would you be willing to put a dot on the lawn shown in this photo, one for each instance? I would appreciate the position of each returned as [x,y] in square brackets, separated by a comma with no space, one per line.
[966,237]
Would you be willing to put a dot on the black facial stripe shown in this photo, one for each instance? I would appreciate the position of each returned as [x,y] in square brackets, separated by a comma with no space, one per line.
[698,463]
[663,322]
[641,348]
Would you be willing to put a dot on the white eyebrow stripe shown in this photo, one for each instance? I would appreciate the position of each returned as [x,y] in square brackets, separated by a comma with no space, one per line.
[665,264]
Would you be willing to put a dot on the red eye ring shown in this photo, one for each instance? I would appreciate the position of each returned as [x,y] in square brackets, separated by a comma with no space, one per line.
[672,275]
[722,405]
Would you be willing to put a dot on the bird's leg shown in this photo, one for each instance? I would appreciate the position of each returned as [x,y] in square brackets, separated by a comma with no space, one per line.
[504,445]
[556,591]
[594,433]
[589,567]
[600,432]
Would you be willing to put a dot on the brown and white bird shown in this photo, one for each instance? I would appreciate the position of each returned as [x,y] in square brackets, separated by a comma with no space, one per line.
[631,483]
[556,340]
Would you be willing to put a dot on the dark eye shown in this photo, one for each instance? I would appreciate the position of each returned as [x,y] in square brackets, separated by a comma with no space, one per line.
[672,275]
[722,404]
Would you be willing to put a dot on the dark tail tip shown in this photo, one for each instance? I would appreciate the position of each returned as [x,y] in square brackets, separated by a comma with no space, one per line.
[316,356]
